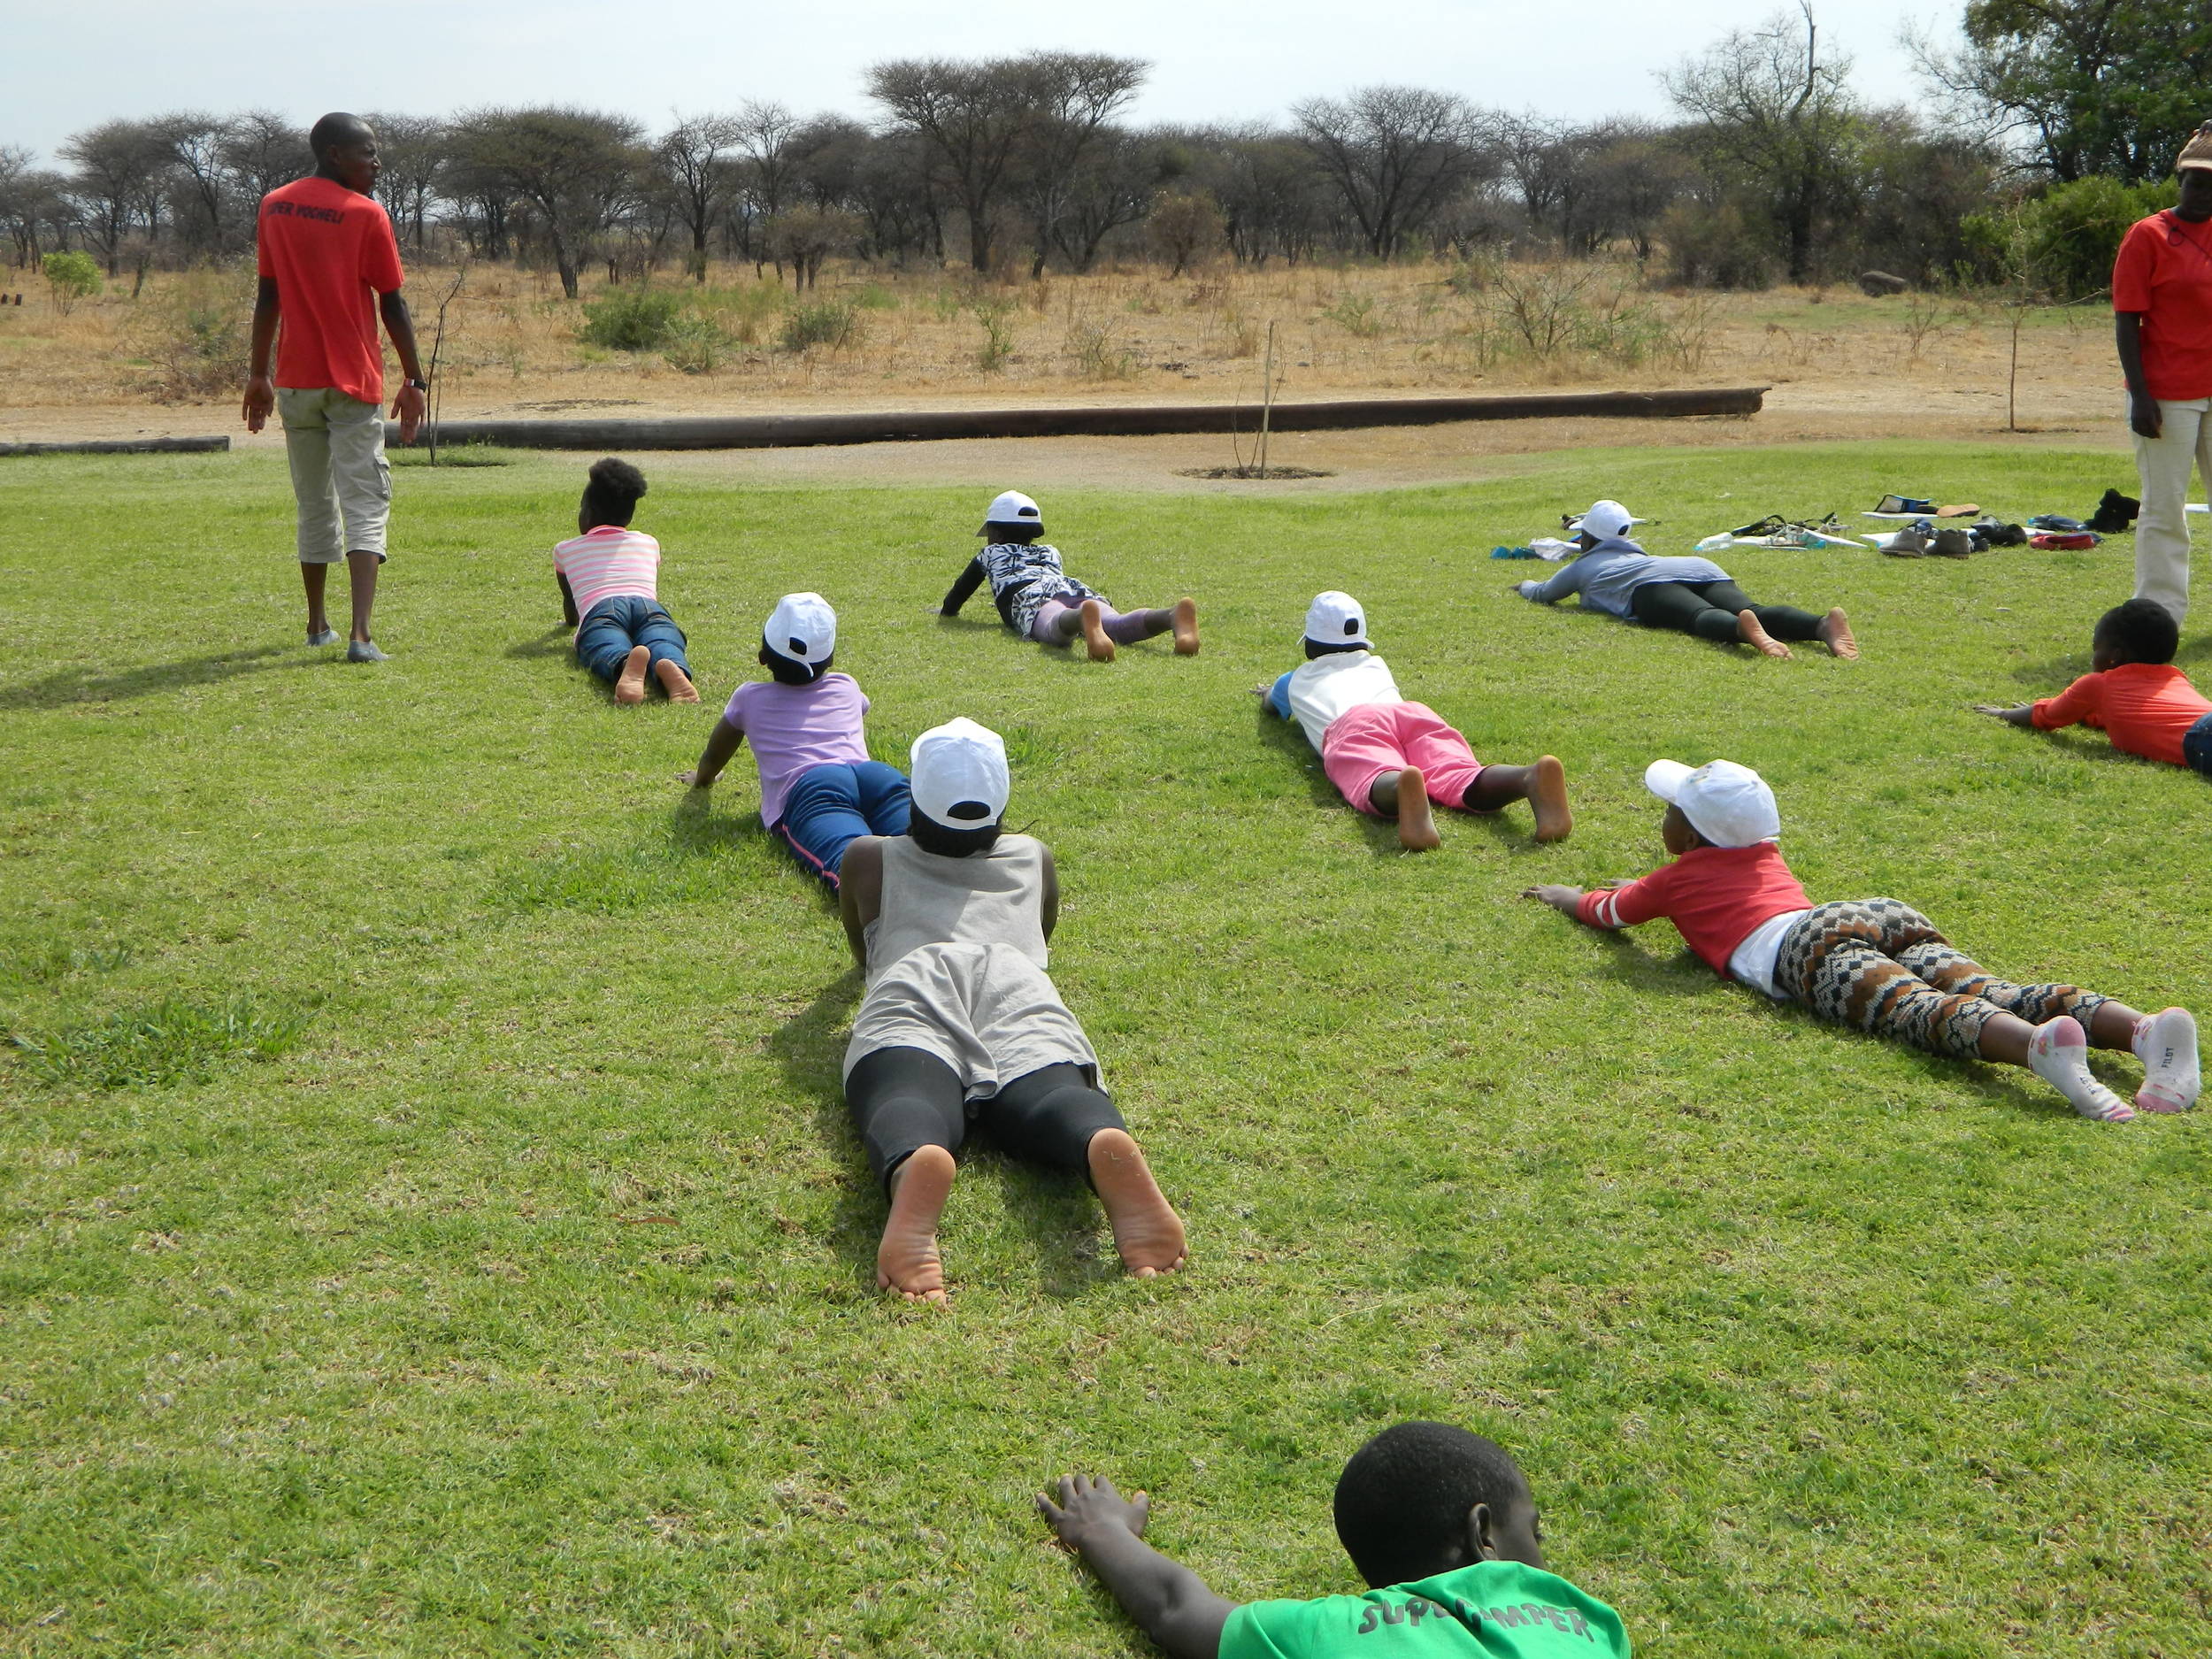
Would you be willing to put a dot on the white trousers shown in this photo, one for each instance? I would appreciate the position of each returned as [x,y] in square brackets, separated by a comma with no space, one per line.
[340,477]
[2162,534]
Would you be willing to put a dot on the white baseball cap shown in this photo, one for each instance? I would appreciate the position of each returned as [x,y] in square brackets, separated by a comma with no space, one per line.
[1335,619]
[959,774]
[802,627]
[1605,518]
[1728,804]
[1012,507]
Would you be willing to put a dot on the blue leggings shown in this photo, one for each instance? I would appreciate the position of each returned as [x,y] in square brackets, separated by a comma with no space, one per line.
[613,627]
[2196,746]
[831,806]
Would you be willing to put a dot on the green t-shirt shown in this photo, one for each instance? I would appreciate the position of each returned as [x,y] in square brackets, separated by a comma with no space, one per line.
[1493,1608]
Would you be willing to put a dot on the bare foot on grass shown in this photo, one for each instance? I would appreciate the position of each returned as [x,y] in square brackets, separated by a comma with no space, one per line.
[1147,1233]
[675,682]
[629,687]
[1094,640]
[907,1260]
[1548,793]
[1835,634]
[1748,628]
[1185,627]
[1416,824]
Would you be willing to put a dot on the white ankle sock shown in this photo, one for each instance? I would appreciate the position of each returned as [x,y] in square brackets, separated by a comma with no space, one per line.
[2059,1054]
[2165,1043]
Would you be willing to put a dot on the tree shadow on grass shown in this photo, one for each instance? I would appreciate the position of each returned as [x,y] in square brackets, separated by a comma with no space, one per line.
[81,684]
[808,1048]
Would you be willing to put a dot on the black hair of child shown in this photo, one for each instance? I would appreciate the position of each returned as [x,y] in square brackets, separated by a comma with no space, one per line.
[612,495]
[932,837]
[2141,630]
[1314,647]
[788,671]
[1000,532]
[1402,1501]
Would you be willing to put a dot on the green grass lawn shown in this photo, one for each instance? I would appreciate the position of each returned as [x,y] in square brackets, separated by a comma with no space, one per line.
[431,1224]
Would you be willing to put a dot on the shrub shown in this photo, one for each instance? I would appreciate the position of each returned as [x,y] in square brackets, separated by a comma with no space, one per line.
[2064,242]
[196,333]
[1099,355]
[70,277]
[1354,314]
[697,344]
[631,319]
[833,323]
[997,319]
[1712,247]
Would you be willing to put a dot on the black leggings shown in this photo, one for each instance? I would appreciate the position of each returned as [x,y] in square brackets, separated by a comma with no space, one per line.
[905,1099]
[1708,611]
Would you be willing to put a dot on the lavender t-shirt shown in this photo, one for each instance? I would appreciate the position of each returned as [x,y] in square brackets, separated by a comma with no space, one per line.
[794,728]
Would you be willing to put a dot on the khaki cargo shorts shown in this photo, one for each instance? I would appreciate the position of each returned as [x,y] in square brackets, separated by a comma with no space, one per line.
[340,477]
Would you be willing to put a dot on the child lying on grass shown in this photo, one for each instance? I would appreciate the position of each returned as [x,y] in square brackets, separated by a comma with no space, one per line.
[1439,1522]
[819,790]
[961,1028]
[609,574]
[1870,963]
[1041,602]
[2133,691]
[1391,757]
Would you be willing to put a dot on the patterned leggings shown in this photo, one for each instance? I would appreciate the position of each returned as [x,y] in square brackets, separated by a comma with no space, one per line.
[1882,967]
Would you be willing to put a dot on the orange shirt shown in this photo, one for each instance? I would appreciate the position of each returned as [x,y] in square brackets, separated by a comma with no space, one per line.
[2164,272]
[2144,707]
[331,252]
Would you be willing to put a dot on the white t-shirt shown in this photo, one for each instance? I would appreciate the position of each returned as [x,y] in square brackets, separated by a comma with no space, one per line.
[1753,961]
[1326,686]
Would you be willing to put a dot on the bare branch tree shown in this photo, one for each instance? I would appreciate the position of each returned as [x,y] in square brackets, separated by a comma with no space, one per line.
[1394,154]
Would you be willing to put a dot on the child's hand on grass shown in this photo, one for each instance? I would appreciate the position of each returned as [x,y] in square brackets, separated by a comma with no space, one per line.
[1087,1504]
[2012,713]
[1561,898]
[1263,689]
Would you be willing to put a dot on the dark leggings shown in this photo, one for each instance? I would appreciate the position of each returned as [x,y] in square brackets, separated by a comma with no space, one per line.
[905,1099]
[1708,611]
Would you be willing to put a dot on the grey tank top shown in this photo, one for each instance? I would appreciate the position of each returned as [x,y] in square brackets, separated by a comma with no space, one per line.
[994,898]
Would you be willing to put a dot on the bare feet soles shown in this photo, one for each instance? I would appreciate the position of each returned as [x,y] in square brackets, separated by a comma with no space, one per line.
[1748,628]
[1548,793]
[1094,640]
[1835,634]
[1416,824]
[630,687]
[1186,628]
[907,1260]
[675,682]
[1147,1233]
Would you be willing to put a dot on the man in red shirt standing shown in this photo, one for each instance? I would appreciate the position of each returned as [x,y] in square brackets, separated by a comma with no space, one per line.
[2162,299]
[329,264]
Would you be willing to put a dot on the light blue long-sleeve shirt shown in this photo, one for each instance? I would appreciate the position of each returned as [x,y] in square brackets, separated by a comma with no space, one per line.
[1610,573]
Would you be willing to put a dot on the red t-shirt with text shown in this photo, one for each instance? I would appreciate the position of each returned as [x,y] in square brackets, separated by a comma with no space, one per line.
[331,252]
[2164,272]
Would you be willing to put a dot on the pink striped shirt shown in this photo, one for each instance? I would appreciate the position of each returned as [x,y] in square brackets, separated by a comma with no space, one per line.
[611,562]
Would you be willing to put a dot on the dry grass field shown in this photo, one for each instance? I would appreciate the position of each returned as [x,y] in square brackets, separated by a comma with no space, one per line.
[1842,365]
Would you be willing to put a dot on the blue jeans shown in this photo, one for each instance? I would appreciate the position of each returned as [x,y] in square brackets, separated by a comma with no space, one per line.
[613,627]
[2196,746]
[831,806]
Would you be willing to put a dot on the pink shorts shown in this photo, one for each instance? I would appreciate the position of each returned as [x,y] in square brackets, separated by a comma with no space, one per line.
[1363,743]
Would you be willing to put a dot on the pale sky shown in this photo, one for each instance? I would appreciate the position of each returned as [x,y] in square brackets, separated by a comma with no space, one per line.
[65,67]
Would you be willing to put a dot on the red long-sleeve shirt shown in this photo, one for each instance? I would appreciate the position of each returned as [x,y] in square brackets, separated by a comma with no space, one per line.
[2144,707]
[1717,897]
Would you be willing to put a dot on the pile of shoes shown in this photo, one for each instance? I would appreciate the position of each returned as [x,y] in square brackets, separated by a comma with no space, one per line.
[1920,538]
[2055,532]
[2114,513]
[1775,531]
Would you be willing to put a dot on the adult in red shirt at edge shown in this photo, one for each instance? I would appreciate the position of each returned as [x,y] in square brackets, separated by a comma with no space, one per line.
[329,263]
[2162,301]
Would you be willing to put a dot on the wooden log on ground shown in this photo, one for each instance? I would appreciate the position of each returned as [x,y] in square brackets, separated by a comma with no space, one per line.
[776,432]
[123,446]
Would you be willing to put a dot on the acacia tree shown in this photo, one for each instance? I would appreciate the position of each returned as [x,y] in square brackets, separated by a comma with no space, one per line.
[1073,98]
[1775,116]
[117,169]
[194,140]
[693,164]
[260,149]
[972,119]
[30,202]
[2093,86]
[579,169]
[1395,154]
[416,151]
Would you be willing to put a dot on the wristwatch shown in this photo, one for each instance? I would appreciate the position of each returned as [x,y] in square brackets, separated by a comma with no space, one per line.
[420,385]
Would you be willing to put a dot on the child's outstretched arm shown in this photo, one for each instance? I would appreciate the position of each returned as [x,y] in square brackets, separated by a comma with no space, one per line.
[964,585]
[1169,1601]
[2011,713]
[1611,906]
[721,744]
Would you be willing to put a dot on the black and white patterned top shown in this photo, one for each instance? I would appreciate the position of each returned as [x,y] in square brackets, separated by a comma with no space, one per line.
[1023,576]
